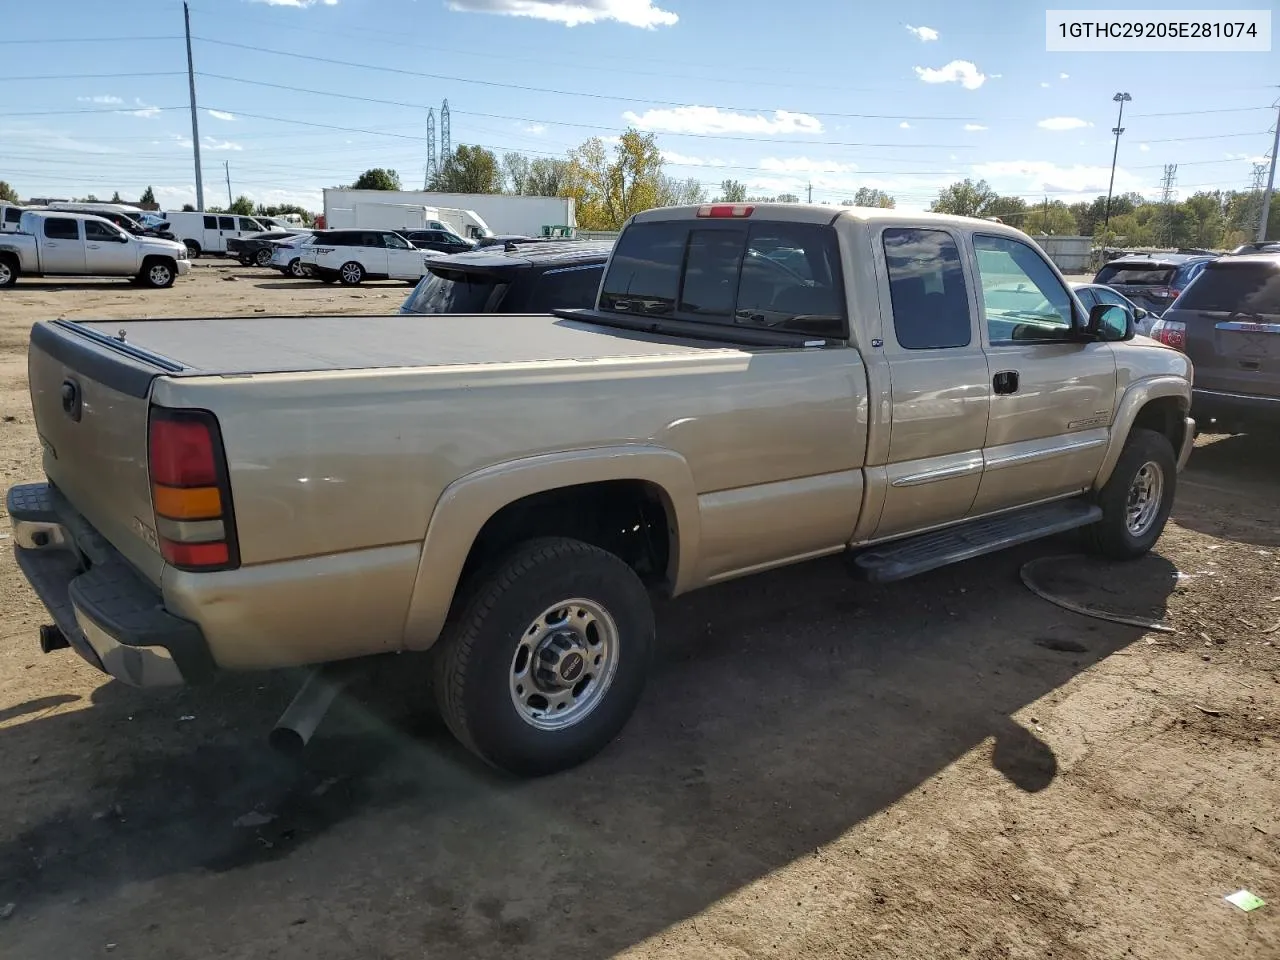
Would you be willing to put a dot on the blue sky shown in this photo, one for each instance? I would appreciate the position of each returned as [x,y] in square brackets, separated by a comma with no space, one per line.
[906,96]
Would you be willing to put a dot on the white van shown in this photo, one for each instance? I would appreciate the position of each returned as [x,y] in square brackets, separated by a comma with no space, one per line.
[209,232]
[11,216]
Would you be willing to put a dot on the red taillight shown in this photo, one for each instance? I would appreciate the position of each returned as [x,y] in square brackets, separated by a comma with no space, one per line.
[1172,333]
[190,495]
[719,210]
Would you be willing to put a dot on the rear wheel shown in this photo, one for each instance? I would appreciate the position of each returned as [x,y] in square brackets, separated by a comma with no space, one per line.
[159,273]
[1138,497]
[8,272]
[193,249]
[263,258]
[548,658]
[351,274]
[296,269]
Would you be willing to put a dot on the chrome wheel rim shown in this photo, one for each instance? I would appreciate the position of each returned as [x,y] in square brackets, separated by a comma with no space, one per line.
[1145,495]
[351,273]
[6,274]
[564,664]
[263,258]
[296,268]
[159,275]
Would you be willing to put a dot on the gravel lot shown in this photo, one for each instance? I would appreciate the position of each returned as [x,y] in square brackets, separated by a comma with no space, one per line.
[948,767]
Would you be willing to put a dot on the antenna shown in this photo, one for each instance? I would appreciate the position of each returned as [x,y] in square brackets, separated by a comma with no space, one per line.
[432,170]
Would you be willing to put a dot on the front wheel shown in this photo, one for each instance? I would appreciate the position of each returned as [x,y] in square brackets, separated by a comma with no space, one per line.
[548,658]
[158,273]
[296,269]
[8,272]
[351,274]
[1137,498]
[193,249]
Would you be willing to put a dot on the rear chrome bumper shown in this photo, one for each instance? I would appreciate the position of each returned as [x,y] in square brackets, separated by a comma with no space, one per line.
[111,616]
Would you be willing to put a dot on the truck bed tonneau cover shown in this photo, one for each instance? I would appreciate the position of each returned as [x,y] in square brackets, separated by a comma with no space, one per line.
[247,345]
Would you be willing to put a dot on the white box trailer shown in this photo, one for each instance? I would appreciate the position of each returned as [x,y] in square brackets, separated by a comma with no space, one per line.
[503,213]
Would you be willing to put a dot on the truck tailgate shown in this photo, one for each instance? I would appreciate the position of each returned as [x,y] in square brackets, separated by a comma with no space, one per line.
[90,405]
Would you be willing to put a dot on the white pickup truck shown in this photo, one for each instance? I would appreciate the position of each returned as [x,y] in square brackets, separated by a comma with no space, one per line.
[51,244]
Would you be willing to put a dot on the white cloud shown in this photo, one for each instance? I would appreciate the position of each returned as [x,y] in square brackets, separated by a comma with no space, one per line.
[213,143]
[537,129]
[297,3]
[572,13]
[715,120]
[109,100]
[1079,181]
[1063,123]
[1143,147]
[684,160]
[805,165]
[904,125]
[962,72]
[1064,76]
[145,110]
[923,34]
[995,76]
[974,127]
[221,114]
[1044,83]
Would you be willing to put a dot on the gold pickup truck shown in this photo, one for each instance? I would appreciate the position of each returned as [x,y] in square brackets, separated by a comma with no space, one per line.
[756,385]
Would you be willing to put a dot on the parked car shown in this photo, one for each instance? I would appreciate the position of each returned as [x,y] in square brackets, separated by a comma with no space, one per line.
[56,244]
[441,241]
[509,491]
[286,255]
[353,256]
[1091,294]
[534,279]
[1257,246]
[209,232]
[1228,323]
[1153,281]
[257,249]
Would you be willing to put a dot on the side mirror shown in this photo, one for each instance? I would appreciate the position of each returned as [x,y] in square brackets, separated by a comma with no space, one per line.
[1110,323]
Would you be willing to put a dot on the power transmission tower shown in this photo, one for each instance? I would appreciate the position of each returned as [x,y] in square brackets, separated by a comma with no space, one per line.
[1258,180]
[1166,200]
[432,170]
[446,139]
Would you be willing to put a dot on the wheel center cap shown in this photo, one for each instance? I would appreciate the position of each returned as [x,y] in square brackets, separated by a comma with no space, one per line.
[571,667]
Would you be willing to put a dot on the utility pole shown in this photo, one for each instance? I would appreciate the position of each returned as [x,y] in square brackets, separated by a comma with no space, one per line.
[811,191]
[195,123]
[1122,99]
[1044,227]
[226,165]
[1271,181]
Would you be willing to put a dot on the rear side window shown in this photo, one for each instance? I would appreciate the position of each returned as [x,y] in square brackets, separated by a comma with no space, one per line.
[1235,288]
[454,292]
[226,223]
[368,239]
[12,214]
[567,288]
[59,228]
[1136,275]
[926,286]
[211,223]
[732,274]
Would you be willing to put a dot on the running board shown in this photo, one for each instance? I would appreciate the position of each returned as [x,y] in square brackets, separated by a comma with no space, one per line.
[906,558]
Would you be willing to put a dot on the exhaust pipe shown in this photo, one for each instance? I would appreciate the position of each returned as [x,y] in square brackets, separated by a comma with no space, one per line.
[303,715]
[52,638]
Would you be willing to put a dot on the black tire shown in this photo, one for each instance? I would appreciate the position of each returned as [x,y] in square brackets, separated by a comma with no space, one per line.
[1112,536]
[193,249]
[351,274]
[474,658]
[158,272]
[8,271]
[262,258]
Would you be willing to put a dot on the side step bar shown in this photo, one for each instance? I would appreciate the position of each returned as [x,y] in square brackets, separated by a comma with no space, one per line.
[906,558]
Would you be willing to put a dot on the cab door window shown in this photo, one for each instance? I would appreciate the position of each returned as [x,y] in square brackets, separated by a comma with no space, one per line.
[62,228]
[226,223]
[927,289]
[1022,298]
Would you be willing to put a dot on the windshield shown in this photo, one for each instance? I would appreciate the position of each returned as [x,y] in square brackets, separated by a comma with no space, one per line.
[454,292]
[1247,288]
[1141,274]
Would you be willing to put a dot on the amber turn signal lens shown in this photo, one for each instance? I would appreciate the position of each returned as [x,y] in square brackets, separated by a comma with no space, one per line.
[187,503]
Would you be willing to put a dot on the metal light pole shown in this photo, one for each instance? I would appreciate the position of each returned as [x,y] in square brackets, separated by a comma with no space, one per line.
[1122,99]
[195,124]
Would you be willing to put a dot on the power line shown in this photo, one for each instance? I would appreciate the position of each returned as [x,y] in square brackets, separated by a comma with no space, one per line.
[104,40]
[94,76]
[123,108]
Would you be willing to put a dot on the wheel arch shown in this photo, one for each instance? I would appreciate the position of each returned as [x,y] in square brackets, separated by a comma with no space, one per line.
[484,509]
[1157,403]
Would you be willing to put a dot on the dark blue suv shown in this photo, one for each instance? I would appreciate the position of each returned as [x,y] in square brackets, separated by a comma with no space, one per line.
[1153,280]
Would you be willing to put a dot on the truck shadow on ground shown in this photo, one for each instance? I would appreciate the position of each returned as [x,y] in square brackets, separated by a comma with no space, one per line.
[1228,486]
[783,710]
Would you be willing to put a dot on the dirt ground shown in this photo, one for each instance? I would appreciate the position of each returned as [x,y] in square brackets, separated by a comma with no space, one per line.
[947,767]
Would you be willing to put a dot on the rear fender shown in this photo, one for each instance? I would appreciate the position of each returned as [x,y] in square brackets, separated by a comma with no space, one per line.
[467,504]
[1137,396]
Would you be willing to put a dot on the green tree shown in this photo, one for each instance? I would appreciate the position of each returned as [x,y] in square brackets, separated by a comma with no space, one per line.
[966,199]
[148,196]
[377,178]
[548,177]
[679,193]
[7,193]
[1052,219]
[116,198]
[279,210]
[242,206]
[609,187]
[188,208]
[870,197]
[515,168]
[787,198]
[731,191]
[469,170]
